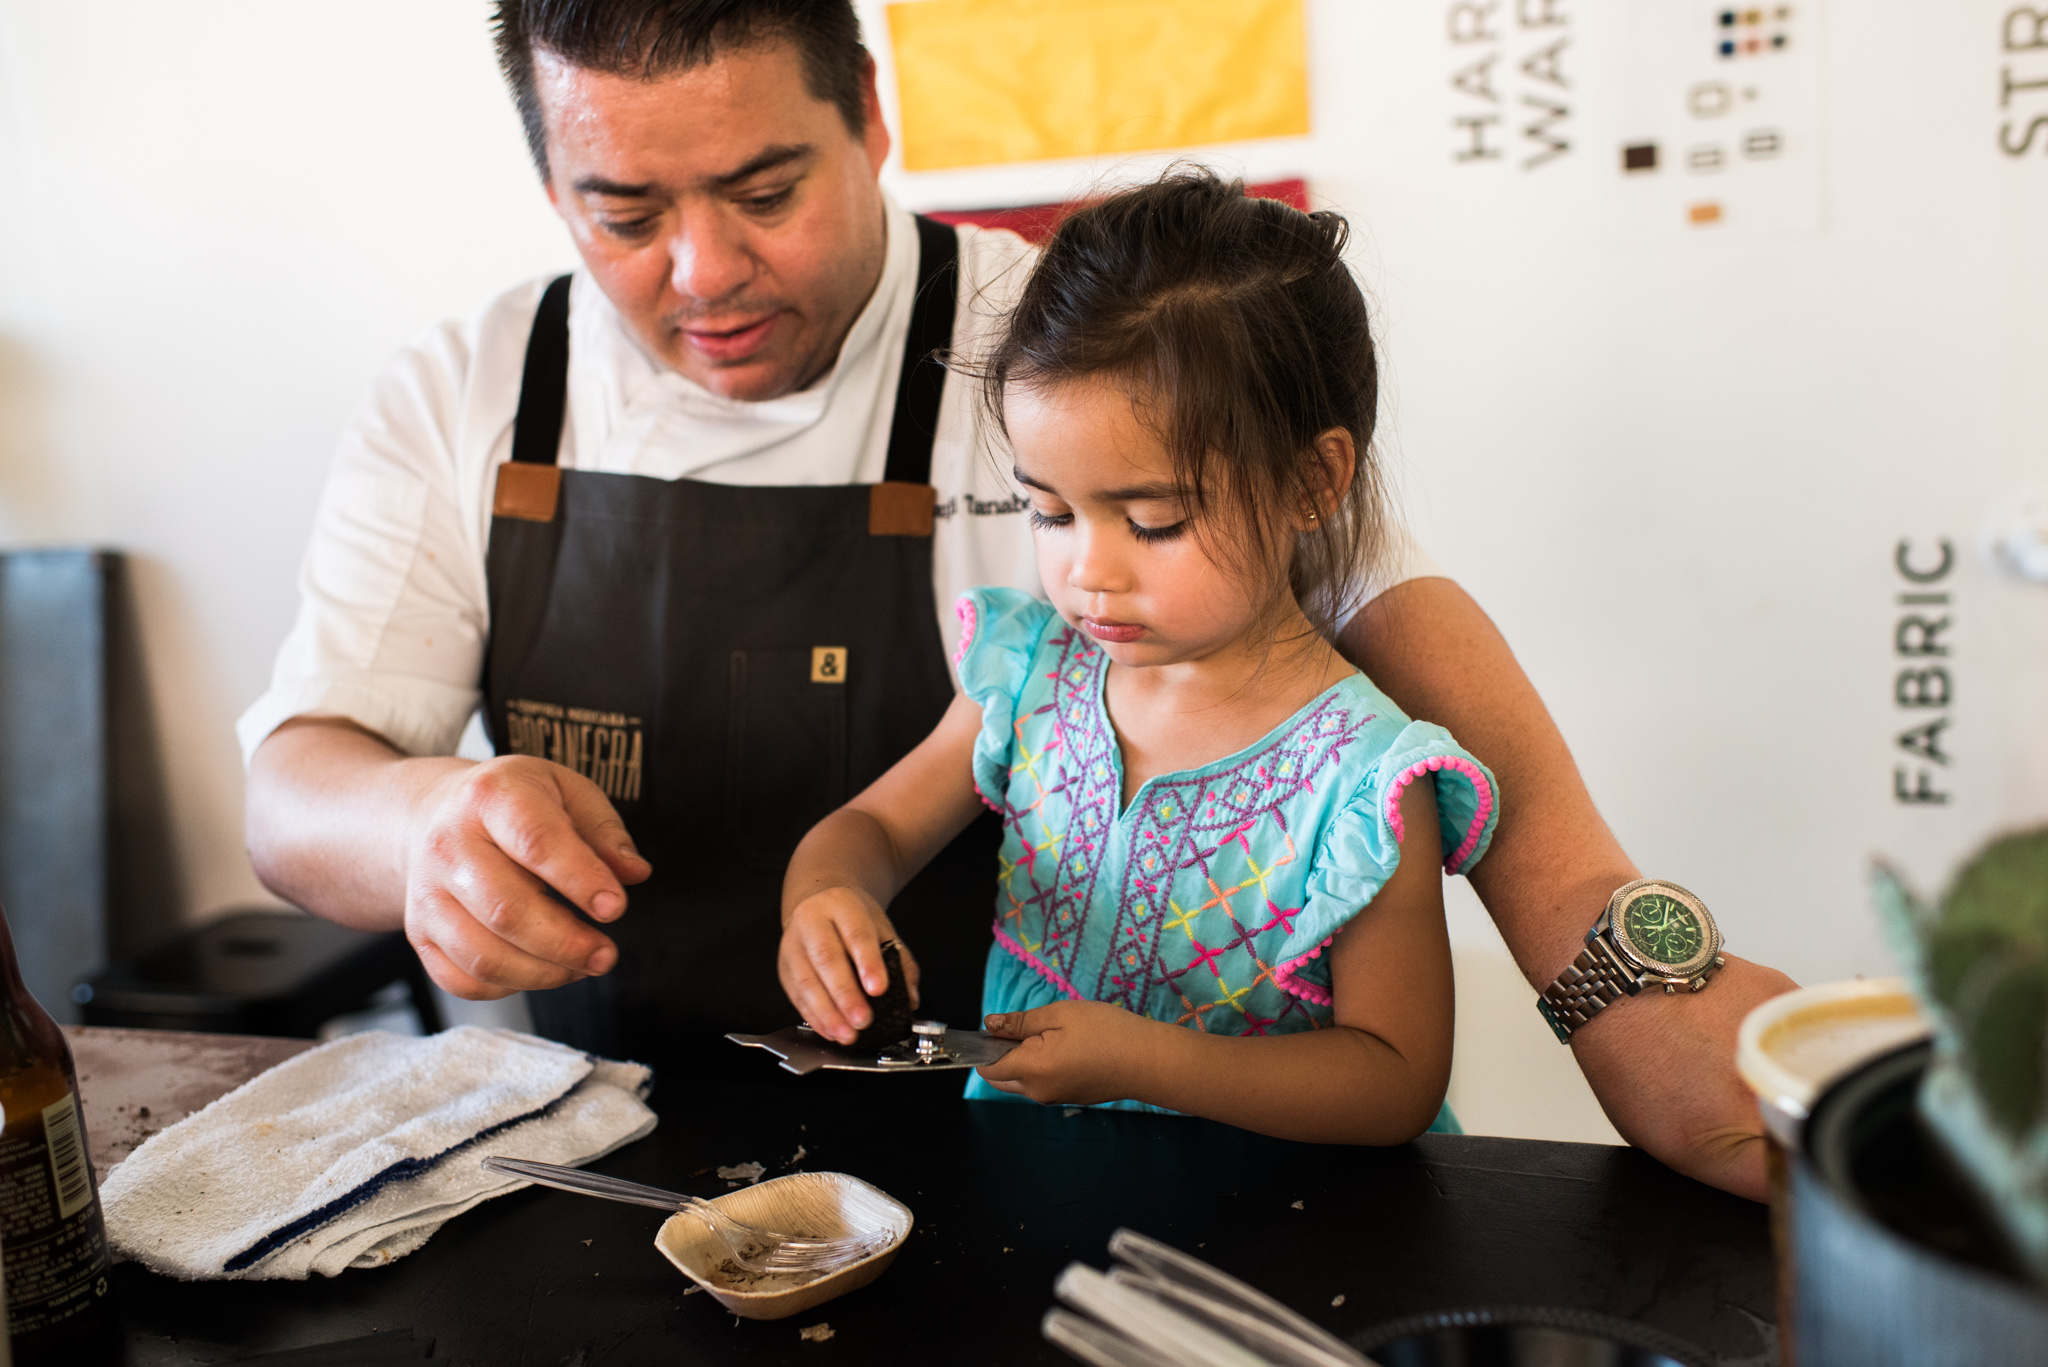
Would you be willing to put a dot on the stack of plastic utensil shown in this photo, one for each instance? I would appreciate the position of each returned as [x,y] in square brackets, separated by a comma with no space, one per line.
[1161,1308]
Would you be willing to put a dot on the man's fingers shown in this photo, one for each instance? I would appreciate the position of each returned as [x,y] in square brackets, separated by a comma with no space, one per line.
[453,980]
[514,906]
[436,921]
[484,877]
[597,821]
[525,816]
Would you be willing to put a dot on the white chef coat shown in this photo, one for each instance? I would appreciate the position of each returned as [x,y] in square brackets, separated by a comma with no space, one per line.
[394,611]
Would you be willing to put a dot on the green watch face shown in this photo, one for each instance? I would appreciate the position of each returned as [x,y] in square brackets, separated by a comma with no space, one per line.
[1663,928]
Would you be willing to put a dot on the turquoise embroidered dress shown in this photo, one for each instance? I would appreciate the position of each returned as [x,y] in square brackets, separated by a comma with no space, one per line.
[1208,902]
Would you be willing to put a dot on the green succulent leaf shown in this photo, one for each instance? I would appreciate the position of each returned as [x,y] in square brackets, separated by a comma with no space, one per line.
[1982,959]
[1904,918]
[1980,965]
[2005,888]
[2008,1035]
[1957,955]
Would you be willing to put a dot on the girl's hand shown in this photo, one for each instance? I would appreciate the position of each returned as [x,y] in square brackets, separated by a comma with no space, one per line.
[1078,1053]
[831,960]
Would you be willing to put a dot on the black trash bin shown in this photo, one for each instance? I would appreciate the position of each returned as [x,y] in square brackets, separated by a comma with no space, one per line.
[256,972]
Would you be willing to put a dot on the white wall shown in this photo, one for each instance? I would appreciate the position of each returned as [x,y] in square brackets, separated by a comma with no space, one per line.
[219,220]
[1673,463]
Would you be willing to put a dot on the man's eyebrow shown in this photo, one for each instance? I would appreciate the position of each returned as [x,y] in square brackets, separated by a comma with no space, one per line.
[767,159]
[599,185]
[1136,493]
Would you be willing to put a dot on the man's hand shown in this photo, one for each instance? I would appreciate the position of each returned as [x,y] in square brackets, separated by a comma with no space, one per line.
[831,961]
[1662,1068]
[458,854]
[1079,1053]
[488,843]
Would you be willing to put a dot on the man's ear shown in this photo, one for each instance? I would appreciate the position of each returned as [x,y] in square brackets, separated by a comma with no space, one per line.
[876,135]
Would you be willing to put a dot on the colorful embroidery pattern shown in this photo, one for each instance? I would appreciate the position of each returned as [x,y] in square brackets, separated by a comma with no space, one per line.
[1209,901]
[1198,907]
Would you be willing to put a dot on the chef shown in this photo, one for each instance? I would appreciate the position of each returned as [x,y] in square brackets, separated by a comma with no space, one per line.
[686,525]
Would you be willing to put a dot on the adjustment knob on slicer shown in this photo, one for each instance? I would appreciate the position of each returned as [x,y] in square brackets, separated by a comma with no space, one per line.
[929,1036]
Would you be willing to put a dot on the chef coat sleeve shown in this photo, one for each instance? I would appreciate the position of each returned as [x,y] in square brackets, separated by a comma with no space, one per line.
[393,601]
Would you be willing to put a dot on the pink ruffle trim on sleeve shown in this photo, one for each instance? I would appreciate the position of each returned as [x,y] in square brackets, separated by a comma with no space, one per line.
[1284,978]
[964,609]
[1473,774]
[1032,961]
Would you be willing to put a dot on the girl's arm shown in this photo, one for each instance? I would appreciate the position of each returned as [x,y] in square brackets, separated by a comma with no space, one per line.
[1377,1075]
[853,862]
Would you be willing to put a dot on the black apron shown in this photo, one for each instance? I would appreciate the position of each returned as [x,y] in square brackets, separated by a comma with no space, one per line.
[729,664]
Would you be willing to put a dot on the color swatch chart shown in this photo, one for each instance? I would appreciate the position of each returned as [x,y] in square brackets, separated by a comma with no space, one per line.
[1719,122]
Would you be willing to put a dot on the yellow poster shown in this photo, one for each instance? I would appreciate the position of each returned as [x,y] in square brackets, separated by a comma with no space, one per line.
[986,81]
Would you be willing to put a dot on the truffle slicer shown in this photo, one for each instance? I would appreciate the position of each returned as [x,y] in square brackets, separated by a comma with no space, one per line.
[930,1045]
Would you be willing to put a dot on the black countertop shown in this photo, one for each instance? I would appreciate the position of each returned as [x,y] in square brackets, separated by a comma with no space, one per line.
[1005,1196]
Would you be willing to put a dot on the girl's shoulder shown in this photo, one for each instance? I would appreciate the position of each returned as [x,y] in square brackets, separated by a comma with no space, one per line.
[1361,697]
[1002,632]
[1358,827]
[1390,751]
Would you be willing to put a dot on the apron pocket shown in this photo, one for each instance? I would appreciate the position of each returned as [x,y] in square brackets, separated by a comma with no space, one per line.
[785,751]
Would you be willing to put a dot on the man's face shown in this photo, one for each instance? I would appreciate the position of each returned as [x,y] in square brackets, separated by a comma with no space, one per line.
[729,214]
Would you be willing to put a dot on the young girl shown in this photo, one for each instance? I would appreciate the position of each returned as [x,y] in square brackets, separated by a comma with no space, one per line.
[1218,891]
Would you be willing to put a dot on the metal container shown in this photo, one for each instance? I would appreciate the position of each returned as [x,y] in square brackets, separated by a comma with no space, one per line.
[1524,1336]
[1894,1262]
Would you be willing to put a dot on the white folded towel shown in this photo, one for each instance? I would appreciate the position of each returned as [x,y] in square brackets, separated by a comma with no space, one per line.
[353,1153]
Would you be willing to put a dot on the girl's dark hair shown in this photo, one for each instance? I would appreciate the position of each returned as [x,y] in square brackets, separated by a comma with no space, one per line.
[1243,336]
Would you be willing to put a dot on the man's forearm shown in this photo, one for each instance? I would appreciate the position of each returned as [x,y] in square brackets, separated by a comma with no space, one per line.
[330,809]
[1662,1067]
[1553,861]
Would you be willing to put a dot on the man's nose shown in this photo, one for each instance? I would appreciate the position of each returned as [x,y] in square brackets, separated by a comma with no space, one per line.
[709,258]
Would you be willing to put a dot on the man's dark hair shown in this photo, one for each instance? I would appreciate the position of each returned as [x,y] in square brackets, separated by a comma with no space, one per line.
[655,38]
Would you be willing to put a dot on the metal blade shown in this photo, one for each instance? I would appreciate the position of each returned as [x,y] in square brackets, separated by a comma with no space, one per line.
[802,1050]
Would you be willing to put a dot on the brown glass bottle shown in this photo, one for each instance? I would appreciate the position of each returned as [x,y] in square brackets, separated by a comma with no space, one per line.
[60,1307]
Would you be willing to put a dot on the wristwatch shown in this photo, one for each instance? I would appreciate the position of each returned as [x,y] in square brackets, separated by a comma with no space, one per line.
[1652,933]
